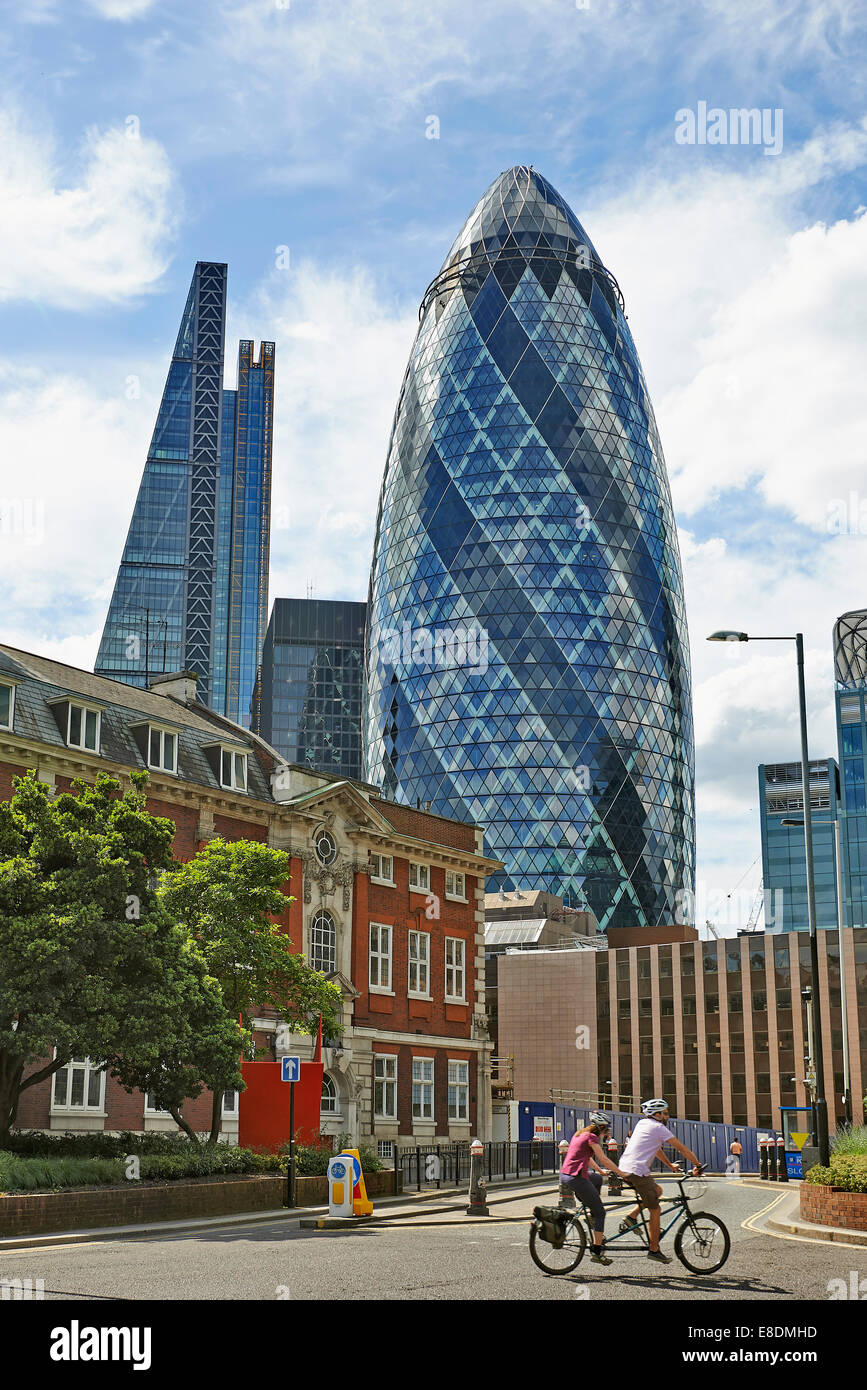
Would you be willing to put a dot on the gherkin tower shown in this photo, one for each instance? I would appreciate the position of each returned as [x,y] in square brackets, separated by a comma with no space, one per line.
[527,660]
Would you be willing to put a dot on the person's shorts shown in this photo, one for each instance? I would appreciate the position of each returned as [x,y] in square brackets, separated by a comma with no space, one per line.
[647,1189]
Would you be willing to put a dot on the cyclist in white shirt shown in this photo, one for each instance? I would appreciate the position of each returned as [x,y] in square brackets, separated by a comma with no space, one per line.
[644,1146]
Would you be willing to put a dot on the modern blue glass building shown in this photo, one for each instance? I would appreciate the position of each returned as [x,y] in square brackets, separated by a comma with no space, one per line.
[192,589]
[312,677]
[784,860]
[527,664]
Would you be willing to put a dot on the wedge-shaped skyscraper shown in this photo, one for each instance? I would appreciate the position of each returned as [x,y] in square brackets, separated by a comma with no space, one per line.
[192,588]
[527,664]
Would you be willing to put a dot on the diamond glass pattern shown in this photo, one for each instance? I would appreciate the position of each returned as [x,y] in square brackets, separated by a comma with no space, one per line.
[525,502]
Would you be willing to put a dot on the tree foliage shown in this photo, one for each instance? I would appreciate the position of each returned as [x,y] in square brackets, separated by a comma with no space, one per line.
[91,963]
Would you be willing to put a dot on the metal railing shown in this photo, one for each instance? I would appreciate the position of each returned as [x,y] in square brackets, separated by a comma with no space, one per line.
[448,1165]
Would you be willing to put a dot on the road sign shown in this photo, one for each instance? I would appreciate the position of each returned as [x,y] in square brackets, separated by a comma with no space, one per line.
[291,1069]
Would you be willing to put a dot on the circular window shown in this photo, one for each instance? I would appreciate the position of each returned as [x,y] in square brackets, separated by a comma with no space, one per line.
[326,847]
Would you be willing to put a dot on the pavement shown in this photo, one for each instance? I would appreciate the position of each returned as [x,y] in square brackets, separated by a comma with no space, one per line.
[428,1249]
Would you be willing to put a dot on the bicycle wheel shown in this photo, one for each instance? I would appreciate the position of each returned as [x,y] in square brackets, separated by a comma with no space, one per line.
[702,1243]
[561,1261]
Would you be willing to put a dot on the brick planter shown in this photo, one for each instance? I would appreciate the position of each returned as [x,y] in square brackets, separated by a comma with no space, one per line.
[36,1213]
[828,1206]
[32,1213]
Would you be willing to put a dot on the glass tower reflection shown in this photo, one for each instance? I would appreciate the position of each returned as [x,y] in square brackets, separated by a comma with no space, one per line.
[527,663]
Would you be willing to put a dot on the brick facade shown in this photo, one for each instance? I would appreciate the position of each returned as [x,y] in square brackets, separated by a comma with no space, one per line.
[289,808]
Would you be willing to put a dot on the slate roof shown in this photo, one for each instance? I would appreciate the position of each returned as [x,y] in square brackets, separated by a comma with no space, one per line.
[39,680]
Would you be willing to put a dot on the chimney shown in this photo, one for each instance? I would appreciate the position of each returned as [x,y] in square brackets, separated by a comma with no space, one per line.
[180,685]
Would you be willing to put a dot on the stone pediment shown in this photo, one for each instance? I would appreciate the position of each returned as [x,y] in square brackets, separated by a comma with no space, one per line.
[343,800]
[346,987]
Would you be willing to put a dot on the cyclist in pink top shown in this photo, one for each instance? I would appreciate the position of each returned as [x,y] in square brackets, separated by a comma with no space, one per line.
[585,1148]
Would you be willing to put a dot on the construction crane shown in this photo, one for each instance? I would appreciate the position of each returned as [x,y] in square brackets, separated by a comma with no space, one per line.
[756,907]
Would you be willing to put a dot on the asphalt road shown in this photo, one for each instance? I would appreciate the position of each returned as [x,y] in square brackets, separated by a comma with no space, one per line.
[472,1260]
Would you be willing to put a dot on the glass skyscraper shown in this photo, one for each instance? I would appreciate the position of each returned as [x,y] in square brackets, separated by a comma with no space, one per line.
[312,670]
[192,589]
[527,662]
[784,860]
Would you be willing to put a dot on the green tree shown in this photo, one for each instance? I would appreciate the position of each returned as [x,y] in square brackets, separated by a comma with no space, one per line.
[90,962]
[226,898]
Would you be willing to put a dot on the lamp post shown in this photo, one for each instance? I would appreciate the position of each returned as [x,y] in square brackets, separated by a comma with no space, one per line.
[821,1103]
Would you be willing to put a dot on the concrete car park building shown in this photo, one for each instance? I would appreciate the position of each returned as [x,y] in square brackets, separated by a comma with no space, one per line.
[389,902]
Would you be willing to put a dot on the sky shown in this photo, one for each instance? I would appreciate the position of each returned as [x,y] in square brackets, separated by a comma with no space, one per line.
[330,152]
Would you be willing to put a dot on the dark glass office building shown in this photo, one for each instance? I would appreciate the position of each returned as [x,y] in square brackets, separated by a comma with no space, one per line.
[784,860]
[192,589]
[312,671]
[527,665]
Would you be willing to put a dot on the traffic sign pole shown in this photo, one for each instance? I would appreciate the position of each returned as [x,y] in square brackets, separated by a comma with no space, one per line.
[290,1193]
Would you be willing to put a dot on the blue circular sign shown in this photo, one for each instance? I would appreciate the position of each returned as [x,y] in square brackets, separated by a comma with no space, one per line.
[356,1167]
[338,1170]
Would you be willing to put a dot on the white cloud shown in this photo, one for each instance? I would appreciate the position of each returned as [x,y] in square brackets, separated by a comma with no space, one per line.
[74,458]
[70,240]
[120,9]
[342,348]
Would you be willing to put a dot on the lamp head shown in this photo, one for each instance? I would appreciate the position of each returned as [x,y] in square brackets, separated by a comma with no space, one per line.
[727,636]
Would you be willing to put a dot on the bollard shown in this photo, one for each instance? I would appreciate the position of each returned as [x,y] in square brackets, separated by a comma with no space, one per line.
[772,1160]
[782,1171]
[478,1187]
[763,1159]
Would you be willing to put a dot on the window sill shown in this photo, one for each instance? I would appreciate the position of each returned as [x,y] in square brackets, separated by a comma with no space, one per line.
[450,898]
[383,882]
[426,891]
[452,999]
[411,994]
[377,989]
[65,1110]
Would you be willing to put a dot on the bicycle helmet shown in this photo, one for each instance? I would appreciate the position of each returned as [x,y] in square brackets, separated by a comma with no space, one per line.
[654,1107]
[596,1117]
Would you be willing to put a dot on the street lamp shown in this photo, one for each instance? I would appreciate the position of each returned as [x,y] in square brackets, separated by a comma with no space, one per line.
[844,1007]
[821,1103]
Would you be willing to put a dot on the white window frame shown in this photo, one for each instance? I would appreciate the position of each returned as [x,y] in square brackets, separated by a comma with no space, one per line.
[321,912]
[461,1089]
[84,711]
[163,735]
[233,785]
[422,876]
[66,1107]
[452,894]
[230,1112]
[379,876]
[389,1080]
[418,961]
[150,1109]
[5,685]
[427,1085]
[456,969]
[385,1148]
[330,1110]
[380,956]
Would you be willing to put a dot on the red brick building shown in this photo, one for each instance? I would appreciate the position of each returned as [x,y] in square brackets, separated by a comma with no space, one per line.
[389,903]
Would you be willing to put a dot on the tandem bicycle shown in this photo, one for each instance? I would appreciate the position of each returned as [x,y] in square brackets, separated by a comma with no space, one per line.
[701,1242]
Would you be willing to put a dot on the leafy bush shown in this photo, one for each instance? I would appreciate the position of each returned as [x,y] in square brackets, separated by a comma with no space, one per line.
[846,1171]
[21,1174]
[312,1162]
[36,1145]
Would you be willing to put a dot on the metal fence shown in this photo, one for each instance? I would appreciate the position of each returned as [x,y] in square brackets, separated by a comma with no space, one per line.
[425,1167]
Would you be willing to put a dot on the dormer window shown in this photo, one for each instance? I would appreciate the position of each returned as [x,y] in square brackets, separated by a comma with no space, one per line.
[7,706]
[162,749]
[82,730]
[233,770]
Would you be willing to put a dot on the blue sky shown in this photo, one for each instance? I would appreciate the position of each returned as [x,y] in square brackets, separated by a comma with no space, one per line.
[137,136]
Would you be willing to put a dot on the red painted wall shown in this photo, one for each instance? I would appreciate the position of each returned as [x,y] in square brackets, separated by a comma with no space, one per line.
[263,1109]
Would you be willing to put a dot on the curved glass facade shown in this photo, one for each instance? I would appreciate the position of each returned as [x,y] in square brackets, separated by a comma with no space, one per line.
[527,663]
